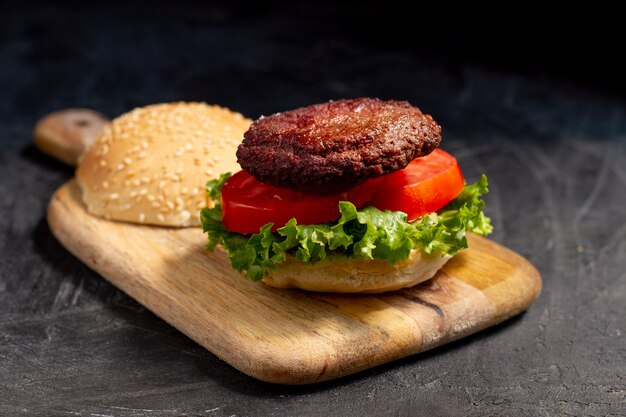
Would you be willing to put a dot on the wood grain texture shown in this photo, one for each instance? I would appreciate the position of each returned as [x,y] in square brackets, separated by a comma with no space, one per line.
[288,336]
[66,134]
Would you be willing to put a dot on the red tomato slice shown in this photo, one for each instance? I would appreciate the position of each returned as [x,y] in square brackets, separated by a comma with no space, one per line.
[248,204]
[425,185]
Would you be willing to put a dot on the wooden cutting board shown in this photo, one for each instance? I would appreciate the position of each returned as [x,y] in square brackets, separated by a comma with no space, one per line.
[291,336]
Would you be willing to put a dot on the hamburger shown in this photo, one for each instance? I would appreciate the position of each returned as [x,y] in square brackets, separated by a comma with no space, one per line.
[344,196]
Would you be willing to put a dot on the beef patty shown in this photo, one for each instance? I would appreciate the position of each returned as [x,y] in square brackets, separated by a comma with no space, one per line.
[331,147]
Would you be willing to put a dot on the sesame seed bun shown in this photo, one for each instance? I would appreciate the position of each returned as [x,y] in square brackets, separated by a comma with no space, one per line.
[340,274]
[151,165]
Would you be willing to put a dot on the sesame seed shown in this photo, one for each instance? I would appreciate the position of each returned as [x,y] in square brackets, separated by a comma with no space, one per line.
[179,170]
[114,196]
[160,217]
[142,217]
[136,182]
[143,191]
[120,166]
[208,172]
[142,155]
[170,205]
[103,163]
[183,190]
[185,215]
[133,194]
[105,185]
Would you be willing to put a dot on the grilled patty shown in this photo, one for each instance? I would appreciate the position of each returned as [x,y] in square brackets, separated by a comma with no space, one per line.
[331,147]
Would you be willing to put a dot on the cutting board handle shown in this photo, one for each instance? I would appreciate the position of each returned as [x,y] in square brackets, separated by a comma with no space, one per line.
[66,134]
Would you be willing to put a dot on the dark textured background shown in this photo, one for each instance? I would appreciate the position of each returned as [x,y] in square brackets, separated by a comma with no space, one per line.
[540,108]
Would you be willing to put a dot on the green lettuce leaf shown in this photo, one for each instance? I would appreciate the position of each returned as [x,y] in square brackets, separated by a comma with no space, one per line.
[366,233]
[214,187]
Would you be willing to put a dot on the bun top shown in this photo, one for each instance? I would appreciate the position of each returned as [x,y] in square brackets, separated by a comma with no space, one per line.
[151,165]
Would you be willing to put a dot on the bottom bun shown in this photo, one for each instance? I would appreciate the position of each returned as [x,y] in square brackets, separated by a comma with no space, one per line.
[340,274]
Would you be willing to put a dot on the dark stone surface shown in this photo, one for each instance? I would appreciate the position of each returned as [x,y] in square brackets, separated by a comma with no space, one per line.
[553,147]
